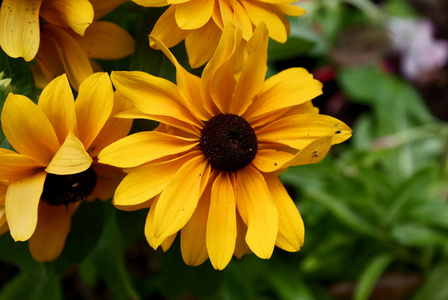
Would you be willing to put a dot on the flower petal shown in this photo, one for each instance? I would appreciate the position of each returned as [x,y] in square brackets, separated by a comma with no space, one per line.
[28,130]
[52,229]
[75,61]
[71,158]
[193,234]
[221,223]
[142,147]
[242,20]
[58,104]
[241,247]
[253,73]
[153,95]
[269,160]
[201,10]
[102,7]
[179,199]
[14,166]
[146,182]
[76,14]
[166,29]
[291,232]
[290,87]
[93,106]
[313,153]
[22,202]
[258,211]
[19,28]
[108,178]
[98,42]
[150,3]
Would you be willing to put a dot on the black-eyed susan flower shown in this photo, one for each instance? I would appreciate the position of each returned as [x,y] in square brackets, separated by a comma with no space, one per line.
[210,169]
[201,22]
[62,35]
[3,223]
[55,165]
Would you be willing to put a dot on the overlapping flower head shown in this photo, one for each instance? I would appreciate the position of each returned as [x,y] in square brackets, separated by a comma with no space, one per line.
[210,169]
[55,165]
[62,35]
[201,22]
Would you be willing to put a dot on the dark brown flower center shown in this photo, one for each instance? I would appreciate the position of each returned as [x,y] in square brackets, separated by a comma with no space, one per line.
[229,142]
[65,189]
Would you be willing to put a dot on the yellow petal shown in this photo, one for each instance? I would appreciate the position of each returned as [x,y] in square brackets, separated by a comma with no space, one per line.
[193,234]
[151,3]
[58,104]
[241,247]
[102,7]
[75,61]
[71,158]
[253,72]
[242,20]
[221,223]
[259,13]
[49,62]
[313,153]
[167,31]
[76,14]
[15,166]
[153,95]
[19,28]
[166,244]
[269,160]
[291,232]
[291,87]
[108,178]
[22,201]
[52,229]
[258,211]
[147,181]
[297,131]
[93,106]
[179,199]
[289,9]
[106,40]
[114,128]
[201,44]
[193,14]
[142,147]
[28,130]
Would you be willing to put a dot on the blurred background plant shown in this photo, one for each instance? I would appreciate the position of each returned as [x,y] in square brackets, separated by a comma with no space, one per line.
[375,209]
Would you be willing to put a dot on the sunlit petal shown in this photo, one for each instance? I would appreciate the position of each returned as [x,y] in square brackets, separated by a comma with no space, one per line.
[15,166]
[202,11]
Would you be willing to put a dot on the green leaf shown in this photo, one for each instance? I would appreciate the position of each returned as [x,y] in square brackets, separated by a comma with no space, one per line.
[435,287]
[417,235]
[432,213]
[292,48]
[370,276]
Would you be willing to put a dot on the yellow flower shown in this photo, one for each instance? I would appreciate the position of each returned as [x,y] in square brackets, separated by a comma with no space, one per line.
[201,22]
[63,35]
[55,165]
[210,169]
[3,223]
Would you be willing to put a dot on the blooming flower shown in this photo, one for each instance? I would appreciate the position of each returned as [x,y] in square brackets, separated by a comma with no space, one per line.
[210,169]
[63,35]
[3,224]
[201,22]
[55,165]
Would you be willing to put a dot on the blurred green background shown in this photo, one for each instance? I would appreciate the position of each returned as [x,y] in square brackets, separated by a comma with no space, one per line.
[375,209]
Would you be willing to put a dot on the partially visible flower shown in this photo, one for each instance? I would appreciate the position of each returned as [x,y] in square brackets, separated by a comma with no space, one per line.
[421,53]
[5,85]
[210,169]
[55,165]
[62,35]
[3,223]
[201,22]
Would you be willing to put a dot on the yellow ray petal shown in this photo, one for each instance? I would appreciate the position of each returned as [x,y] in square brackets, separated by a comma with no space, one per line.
[151,3]
[179,199]
[15,166]
[102,7]
[93,106]
[28,130]
[253,72]
[76,14]
[269,160]
[290,87]
[58,104]
[201,10]
[142,147]
[19,28]
[291,232]
[298,130]
[48,61]
[108,178]
[166,244]
[289,9]
[52,229]
[71,158]
[242,20]
[147,181]
[258,211]
[22,201]
[193,234]
[221,223]
[75,61]
[106,40]
[313,153]
[241,247]
[114,128]
[167,31]
[153,95]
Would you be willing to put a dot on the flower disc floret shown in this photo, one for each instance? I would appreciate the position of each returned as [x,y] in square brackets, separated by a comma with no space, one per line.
[229,142]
